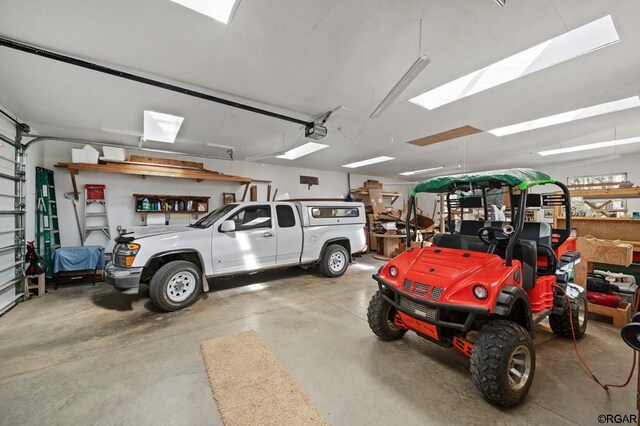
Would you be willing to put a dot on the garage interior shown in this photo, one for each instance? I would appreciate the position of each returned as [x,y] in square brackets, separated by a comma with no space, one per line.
[138,121]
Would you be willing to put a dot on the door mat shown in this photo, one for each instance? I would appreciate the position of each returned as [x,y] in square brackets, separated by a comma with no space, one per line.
[252,387]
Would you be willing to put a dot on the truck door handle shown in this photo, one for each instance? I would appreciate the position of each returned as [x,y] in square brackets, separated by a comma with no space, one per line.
[267,235]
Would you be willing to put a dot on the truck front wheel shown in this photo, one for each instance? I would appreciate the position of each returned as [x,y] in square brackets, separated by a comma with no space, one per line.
[335,261]
[175,285]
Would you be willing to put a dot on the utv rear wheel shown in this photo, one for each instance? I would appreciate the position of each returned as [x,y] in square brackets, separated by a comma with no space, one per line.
[175,285]
[335,261]
[381,315]
[561,323]
[503,362]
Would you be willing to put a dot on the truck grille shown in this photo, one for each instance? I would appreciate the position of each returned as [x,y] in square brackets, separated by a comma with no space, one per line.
[420,290]
[417,309]
[436,293]
[406,286]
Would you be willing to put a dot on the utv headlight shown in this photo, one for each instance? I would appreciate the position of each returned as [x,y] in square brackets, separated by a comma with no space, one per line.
[124,254]
[393,271]
[480,292]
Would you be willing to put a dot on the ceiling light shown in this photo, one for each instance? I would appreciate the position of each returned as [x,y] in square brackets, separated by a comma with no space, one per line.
[220,10]
[577,42]
[301,151]
[418,172]
[566,117]
[368,162]
[161,127]
[418,66]
[566,165]
[590,146]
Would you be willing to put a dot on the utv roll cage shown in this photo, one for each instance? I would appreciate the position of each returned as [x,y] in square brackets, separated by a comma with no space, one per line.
[515,180]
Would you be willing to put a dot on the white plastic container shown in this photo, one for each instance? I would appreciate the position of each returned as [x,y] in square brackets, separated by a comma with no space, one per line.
[113,153]
[90,154]
[77,155]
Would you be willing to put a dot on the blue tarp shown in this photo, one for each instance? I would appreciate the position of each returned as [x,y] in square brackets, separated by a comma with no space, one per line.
[78,258]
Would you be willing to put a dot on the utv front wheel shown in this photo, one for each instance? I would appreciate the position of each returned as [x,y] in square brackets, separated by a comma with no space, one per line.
[381,316]
[335,261]
[503,362]
[576,317]
[175,285]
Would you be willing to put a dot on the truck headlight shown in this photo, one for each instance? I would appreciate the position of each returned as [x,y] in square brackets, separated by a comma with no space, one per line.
[124,254]
[480,292]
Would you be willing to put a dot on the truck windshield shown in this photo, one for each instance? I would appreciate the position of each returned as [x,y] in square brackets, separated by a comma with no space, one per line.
[212,217]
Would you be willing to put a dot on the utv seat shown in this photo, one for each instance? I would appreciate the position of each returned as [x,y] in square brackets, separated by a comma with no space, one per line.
[460,242]
[469,227]
[540,233]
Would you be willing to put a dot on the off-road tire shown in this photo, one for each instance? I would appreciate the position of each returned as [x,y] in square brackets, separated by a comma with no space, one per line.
[561,323]
[491,358]
[378,315]
[334,250]
[158,288]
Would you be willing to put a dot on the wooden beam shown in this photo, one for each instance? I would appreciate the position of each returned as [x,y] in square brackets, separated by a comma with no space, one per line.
[72,174]
[445,136]
[151,170]
[254,193]
[166,162]
[269,192]
[633,192]
[244,194]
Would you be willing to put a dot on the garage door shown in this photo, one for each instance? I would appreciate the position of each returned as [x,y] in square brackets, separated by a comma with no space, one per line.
[11,217]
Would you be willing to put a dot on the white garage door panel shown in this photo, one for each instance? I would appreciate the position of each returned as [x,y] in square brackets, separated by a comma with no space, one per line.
[10,281]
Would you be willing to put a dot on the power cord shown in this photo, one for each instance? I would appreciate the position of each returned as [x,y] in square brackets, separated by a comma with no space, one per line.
[605,386]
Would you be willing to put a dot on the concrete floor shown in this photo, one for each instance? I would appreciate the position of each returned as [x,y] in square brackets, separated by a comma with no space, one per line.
[88,355]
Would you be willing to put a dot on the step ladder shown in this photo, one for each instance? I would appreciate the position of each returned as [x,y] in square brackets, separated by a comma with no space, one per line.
[95,211]
[47,232]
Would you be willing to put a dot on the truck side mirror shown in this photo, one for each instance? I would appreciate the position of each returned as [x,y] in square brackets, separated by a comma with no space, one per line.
[228,226]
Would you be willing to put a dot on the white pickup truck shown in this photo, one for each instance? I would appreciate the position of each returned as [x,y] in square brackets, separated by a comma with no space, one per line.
[236,239]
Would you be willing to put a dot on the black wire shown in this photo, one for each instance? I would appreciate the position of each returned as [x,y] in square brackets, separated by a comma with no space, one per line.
[9,117]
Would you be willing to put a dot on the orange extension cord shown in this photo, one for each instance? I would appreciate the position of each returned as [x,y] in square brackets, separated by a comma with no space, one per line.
[605,386]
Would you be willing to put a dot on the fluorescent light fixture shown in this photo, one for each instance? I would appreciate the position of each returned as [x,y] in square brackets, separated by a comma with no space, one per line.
[418,172]
[418,66]
[161,127]
[220,10]
[368,162]
[566,117]
[302,150]
[590,146]
[587,162]
[587,38]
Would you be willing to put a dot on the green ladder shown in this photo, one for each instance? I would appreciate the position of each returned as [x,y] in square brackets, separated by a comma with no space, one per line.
[47,233]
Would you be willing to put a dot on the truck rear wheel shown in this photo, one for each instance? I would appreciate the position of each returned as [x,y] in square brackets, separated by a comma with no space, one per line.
[561,324]
[175,285]
[335,261]
[503,362]
[381,315]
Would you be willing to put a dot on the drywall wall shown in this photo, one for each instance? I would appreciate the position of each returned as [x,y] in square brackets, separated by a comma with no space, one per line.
[121,208]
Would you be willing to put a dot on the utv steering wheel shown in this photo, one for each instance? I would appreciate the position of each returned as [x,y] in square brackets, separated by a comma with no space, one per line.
[491,234]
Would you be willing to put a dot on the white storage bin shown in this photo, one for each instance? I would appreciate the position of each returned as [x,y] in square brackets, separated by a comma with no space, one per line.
[90,154]
[113,153]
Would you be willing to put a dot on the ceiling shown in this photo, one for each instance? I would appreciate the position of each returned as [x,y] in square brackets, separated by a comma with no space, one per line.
[305,58]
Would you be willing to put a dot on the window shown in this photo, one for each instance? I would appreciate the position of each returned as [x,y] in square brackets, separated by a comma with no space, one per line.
[330,212]
[286,219]
[610,207]
[252,218]
[212,217]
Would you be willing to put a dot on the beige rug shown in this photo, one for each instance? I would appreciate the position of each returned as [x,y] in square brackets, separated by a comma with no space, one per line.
[252,387]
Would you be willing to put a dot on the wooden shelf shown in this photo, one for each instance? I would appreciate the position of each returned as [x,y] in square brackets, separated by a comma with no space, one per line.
[633,192]
[196,200]
[612,219]
[149,170]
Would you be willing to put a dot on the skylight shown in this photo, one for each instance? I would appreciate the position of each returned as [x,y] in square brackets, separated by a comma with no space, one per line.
[302,150]
[587,38]
[220,10]
[161,127]
[590,146]
[368,162]
[566,117]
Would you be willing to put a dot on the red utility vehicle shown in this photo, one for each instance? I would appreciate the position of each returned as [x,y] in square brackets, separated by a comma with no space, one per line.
[483,286]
